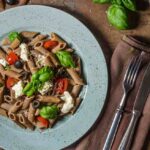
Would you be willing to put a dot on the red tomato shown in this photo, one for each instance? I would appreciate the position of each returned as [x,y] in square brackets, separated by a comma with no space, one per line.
[10,82]
[50,44]
[61,85]
[12,58]
[44,121]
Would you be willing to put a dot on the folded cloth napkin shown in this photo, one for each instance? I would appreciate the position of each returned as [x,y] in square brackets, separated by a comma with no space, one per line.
[95,139]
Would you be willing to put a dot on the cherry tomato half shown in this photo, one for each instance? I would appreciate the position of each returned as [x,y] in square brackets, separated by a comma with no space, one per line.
[10,82]
[61,85]
[50,44]
[12,58]
[44,121]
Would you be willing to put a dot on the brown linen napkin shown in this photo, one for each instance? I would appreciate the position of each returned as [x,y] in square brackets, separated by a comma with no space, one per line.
[95,139]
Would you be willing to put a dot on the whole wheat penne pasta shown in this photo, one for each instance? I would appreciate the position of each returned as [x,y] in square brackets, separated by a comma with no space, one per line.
[38,47]
[55,37]
[13,117]
[31,65]
[29,34]
[2,53]
[31,113]
[9,73]
[3,112]
[23,120]
[17,51]
[77,103]
[13,68]
[75,76]
[15,43]
[27,102]
[59,47]
[78,68]
[76,90]
[37,112]
[9,99]
[69,50]
[48,99]
[47,62]
[7,50]
[15,107]
[52,122]
[2,5]
[37,39]
[6,106]
[71,82]
[1,94]
[5,42]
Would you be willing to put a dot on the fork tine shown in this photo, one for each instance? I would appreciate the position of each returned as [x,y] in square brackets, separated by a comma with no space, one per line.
[130,69]
[136,70]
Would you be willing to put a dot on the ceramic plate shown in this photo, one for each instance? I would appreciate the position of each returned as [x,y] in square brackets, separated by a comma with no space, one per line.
[70,129]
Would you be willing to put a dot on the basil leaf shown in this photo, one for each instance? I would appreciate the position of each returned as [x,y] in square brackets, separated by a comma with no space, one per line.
[118,2]
[49,112]
[101,1]
[13,35]
[65,59]
[130,4]
[117,17]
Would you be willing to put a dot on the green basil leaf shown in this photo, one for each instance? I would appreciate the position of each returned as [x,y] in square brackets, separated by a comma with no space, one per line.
[130,4]
[118,2]
[49,112]
[13,35]
[65,59]
[101,1]
[117,17]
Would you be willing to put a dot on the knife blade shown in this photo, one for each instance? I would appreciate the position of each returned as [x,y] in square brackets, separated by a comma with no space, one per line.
[139,104]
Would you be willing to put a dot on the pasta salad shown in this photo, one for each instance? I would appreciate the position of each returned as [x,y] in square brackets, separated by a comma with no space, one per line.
[40,79]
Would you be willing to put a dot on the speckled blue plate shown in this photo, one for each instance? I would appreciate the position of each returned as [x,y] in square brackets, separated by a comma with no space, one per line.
[70,129]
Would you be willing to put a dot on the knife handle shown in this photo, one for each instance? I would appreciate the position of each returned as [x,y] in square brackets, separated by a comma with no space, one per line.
[127,138]
[113,130]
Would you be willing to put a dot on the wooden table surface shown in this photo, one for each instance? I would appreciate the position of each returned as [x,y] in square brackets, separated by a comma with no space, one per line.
[94,17]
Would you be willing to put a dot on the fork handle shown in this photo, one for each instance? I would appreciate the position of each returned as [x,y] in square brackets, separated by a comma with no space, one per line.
[127,139]
[113,129]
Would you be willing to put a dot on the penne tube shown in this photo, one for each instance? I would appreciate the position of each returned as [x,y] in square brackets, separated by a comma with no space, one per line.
[7,50]
[17,51]
[15,43]
[31,65]
[2,5]
[13,117]
[9,99]
[38,47]
[23,120]
[37,112]
[31,113]
[1,94]
[71,82]
[76,90]
[2,53]
[13,68]
[48,99]
[75,76]
[37,39]
[5,42]
[5,106]
[15,107]
[59,47]
[29,34]
[78,68]
[55,37]
[3,112]
[9,73]
[52,122]
[77,104]
[27,102]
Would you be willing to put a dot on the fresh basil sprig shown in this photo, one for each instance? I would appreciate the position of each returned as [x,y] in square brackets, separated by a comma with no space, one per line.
[118,2]
[117,16]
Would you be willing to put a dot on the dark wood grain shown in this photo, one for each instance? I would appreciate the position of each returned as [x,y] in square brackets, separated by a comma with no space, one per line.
[94,17]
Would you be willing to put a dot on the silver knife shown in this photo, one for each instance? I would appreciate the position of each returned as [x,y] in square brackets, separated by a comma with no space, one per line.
[137,110]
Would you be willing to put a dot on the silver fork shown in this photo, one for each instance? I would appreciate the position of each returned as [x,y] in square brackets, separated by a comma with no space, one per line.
[128,84]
